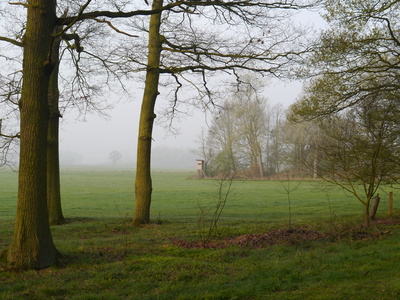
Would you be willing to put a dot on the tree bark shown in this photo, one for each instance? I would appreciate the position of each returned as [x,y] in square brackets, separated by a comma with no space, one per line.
[54,208]
[315,164]
[374,207]
[32,244]
[366,215]
[260,161]
[143,183]
[390,208]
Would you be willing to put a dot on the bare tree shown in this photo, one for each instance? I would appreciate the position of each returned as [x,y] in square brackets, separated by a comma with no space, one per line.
[197,39]
[251,119]
[223,139]
[238,132]
[275,151]
[115,156]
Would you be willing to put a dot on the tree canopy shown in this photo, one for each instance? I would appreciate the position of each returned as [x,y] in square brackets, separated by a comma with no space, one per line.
[352,97]
[356,58]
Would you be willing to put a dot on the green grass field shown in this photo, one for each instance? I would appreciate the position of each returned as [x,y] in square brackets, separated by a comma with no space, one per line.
[106,258]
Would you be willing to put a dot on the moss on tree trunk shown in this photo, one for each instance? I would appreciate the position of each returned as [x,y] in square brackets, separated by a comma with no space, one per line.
[143,183]
[32,244]
[54,208]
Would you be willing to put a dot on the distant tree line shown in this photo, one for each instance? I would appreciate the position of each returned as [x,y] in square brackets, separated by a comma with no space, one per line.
[251,137]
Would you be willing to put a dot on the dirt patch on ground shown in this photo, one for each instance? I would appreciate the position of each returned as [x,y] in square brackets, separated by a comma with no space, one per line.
[296,236]
[386,222]
[257,240]
[290,237]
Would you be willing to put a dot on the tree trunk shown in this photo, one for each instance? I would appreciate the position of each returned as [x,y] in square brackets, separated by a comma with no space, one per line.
[315,164]
[32,244]
[53,161]
[143,183]
[260,161]
[374,207]
[366,215]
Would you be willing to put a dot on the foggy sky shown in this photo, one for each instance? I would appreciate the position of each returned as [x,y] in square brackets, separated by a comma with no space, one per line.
[91,142]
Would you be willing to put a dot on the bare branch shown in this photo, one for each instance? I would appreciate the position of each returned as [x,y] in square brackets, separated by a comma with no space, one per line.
[74,19]
[235,7]
[12,41]
[391,32]
[114,28]
[19,3]
[77,40]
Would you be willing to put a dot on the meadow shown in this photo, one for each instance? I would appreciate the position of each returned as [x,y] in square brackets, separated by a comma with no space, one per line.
[104,257]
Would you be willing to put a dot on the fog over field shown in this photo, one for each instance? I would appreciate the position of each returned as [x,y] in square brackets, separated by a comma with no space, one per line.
[91,141]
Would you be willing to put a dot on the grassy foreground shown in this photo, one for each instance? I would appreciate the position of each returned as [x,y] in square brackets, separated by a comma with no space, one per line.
[106,258]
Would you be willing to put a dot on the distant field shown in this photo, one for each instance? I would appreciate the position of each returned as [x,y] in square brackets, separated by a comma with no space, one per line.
[109,193]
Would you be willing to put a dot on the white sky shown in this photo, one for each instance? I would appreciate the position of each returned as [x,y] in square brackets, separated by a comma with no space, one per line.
[94,139]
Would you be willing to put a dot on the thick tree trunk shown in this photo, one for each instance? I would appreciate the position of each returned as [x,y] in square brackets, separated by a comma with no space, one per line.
[32,244]
[143,183]
[53,162]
